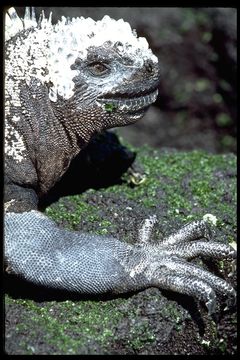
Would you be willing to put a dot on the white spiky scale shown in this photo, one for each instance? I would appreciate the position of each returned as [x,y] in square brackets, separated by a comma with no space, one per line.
[55,47]
[13,24]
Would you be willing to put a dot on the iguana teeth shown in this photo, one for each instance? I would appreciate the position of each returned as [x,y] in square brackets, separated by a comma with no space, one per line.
[136,103]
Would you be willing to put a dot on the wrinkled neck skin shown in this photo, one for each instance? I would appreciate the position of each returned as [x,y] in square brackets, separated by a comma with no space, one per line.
[82,123]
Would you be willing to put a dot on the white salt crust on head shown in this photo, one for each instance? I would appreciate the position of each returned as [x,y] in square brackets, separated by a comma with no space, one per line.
[55,47]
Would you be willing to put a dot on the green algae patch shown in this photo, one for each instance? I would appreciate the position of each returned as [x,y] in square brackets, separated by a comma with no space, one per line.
[179,187]
[71,210]
[189,182]
[185,181]
[69,327]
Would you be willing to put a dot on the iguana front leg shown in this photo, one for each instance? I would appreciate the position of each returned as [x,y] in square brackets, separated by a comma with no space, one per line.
[45,254]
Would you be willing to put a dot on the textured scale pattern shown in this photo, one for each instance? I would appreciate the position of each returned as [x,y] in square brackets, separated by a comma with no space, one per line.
[110,79]
[117,266]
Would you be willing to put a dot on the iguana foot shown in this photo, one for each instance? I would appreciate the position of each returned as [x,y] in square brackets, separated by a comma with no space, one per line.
[165,264]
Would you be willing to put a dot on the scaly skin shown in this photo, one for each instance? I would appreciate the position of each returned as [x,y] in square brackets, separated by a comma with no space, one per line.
[70,82]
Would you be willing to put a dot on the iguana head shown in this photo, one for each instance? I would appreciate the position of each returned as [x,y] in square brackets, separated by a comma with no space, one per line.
[111,71]
[96,67]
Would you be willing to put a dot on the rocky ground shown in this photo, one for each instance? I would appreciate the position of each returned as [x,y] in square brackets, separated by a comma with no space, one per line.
[179,187]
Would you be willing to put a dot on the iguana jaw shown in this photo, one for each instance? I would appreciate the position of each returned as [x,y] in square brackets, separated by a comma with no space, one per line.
[128,104]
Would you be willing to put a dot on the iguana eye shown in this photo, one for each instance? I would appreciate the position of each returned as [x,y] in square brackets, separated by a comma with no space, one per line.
[98,69]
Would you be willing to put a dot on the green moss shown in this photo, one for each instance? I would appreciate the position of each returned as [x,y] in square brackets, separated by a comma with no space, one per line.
[139,336]
[71,210]
[170,174]
[85,320]
[180,181]
[171,311]
[109,107]
[69,326]
[215,342]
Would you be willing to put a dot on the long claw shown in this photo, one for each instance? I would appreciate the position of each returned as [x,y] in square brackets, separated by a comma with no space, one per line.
[234,267]
[232,299]
[146,229]
[211,303]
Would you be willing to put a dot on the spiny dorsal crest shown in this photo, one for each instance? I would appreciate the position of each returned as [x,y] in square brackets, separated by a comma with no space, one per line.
[55,47]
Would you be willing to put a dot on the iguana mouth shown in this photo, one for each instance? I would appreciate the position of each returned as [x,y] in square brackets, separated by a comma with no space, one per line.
[128,103]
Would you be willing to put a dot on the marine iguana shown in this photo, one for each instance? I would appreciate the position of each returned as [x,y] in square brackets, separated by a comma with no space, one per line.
[63,84]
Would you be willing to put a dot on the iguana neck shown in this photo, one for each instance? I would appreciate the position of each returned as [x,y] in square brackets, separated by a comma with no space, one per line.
[79,125]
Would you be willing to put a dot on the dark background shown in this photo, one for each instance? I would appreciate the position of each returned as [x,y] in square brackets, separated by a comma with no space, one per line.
[196,47]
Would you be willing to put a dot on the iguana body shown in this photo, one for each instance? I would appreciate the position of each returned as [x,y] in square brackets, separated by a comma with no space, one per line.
[64,84]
